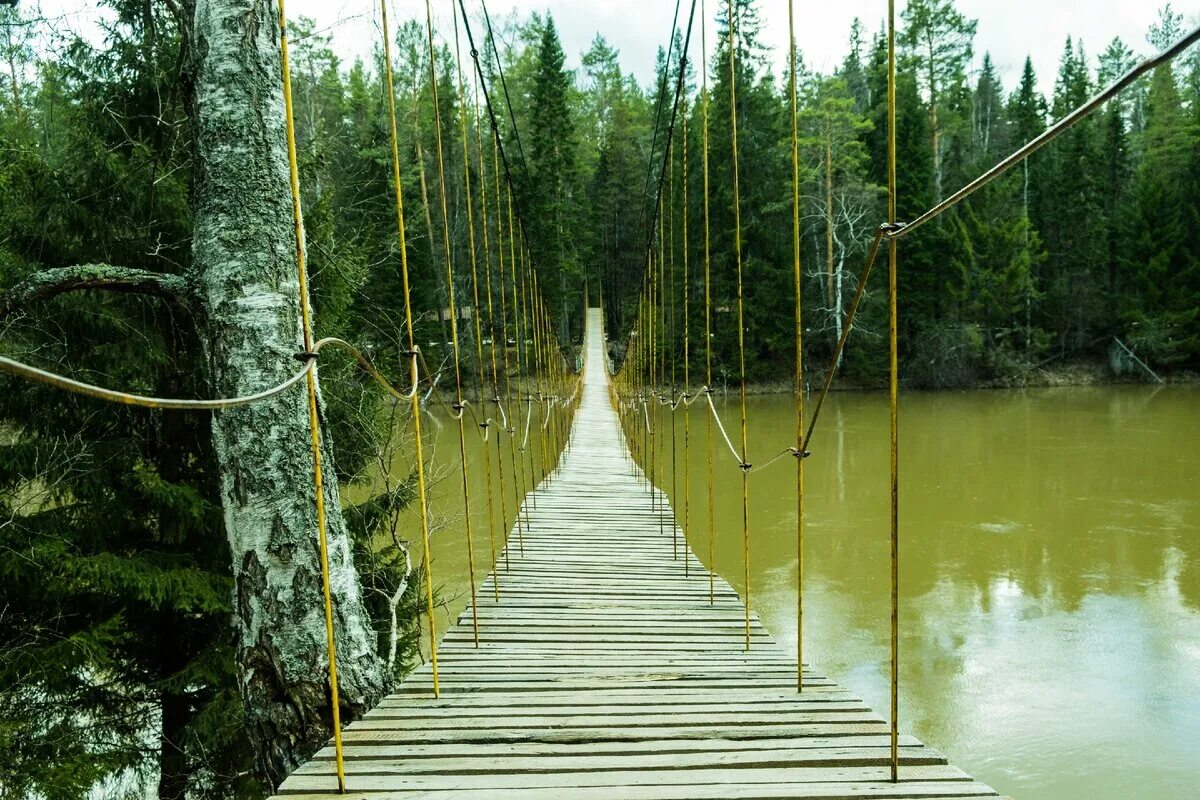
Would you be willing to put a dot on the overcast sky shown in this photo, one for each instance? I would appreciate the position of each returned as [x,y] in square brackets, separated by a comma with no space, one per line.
[1008,29]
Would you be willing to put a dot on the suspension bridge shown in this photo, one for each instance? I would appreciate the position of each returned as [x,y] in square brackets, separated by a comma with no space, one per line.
[600,658]
[606,670]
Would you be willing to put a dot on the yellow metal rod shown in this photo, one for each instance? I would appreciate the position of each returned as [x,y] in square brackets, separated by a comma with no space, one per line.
[893,396]
[506,402]
[671,345]
[458,395]
[687,384]
[412,344]
[661,328]
[519,335]
[737,237]
[797,277]
[314,427]
[708,420]
[528,295]
[475,309]
[651,384]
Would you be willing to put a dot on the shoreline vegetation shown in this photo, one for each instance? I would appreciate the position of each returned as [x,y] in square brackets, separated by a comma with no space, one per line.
[1080,376]
[1072,374]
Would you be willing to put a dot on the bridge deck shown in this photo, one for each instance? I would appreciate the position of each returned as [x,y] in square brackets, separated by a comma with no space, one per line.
[603,672]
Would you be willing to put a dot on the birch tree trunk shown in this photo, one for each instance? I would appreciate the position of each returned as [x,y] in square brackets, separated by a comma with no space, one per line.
[829,221]
[245,275]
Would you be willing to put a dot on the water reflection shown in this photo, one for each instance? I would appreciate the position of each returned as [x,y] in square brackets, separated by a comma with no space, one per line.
[1050,572]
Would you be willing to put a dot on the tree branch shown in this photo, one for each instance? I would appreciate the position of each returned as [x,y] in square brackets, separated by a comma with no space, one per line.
[50,283]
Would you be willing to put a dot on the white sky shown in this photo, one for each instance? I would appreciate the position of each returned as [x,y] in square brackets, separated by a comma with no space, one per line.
[1008,29]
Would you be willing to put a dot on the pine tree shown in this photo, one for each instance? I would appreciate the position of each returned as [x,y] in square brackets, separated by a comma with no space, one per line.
[551,197]
[939,39]
[853,71]
[987,116]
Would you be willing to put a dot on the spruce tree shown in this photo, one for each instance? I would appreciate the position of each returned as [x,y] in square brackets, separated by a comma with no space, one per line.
[551,197]
[1164,303]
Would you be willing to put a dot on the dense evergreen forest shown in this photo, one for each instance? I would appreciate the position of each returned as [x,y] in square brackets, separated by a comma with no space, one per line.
[116,652]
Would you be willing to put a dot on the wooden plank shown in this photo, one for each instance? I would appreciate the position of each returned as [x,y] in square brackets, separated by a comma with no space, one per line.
[356,733]
[387,781]
[789,758]
[685,791]
[616,713]
[440,750]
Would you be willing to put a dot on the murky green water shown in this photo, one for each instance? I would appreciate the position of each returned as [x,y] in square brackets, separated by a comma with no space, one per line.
[1050,572]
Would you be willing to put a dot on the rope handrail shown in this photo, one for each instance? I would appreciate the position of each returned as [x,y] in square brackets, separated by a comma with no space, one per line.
[59,381]
[528,415]
[746,466]
[503,414]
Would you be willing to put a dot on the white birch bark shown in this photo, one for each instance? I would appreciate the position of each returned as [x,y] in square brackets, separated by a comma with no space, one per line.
[245,274]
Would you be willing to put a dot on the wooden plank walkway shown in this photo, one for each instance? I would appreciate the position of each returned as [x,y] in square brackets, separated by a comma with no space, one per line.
[604,673]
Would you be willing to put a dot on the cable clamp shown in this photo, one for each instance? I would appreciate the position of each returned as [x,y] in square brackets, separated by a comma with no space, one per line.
[458,406]
[892,228]
[799,453]
[744,467]
[305,356]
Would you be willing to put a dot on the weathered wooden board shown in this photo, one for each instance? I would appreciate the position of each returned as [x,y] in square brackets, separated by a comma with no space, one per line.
[603,672]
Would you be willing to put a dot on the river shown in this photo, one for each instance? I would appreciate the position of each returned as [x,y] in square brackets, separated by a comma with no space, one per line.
[1050,571]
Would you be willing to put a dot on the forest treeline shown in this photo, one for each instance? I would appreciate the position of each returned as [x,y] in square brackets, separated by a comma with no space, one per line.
[116,653]
[1093,238]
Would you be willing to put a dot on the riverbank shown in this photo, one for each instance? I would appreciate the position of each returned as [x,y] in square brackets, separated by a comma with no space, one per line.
[1076,374]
